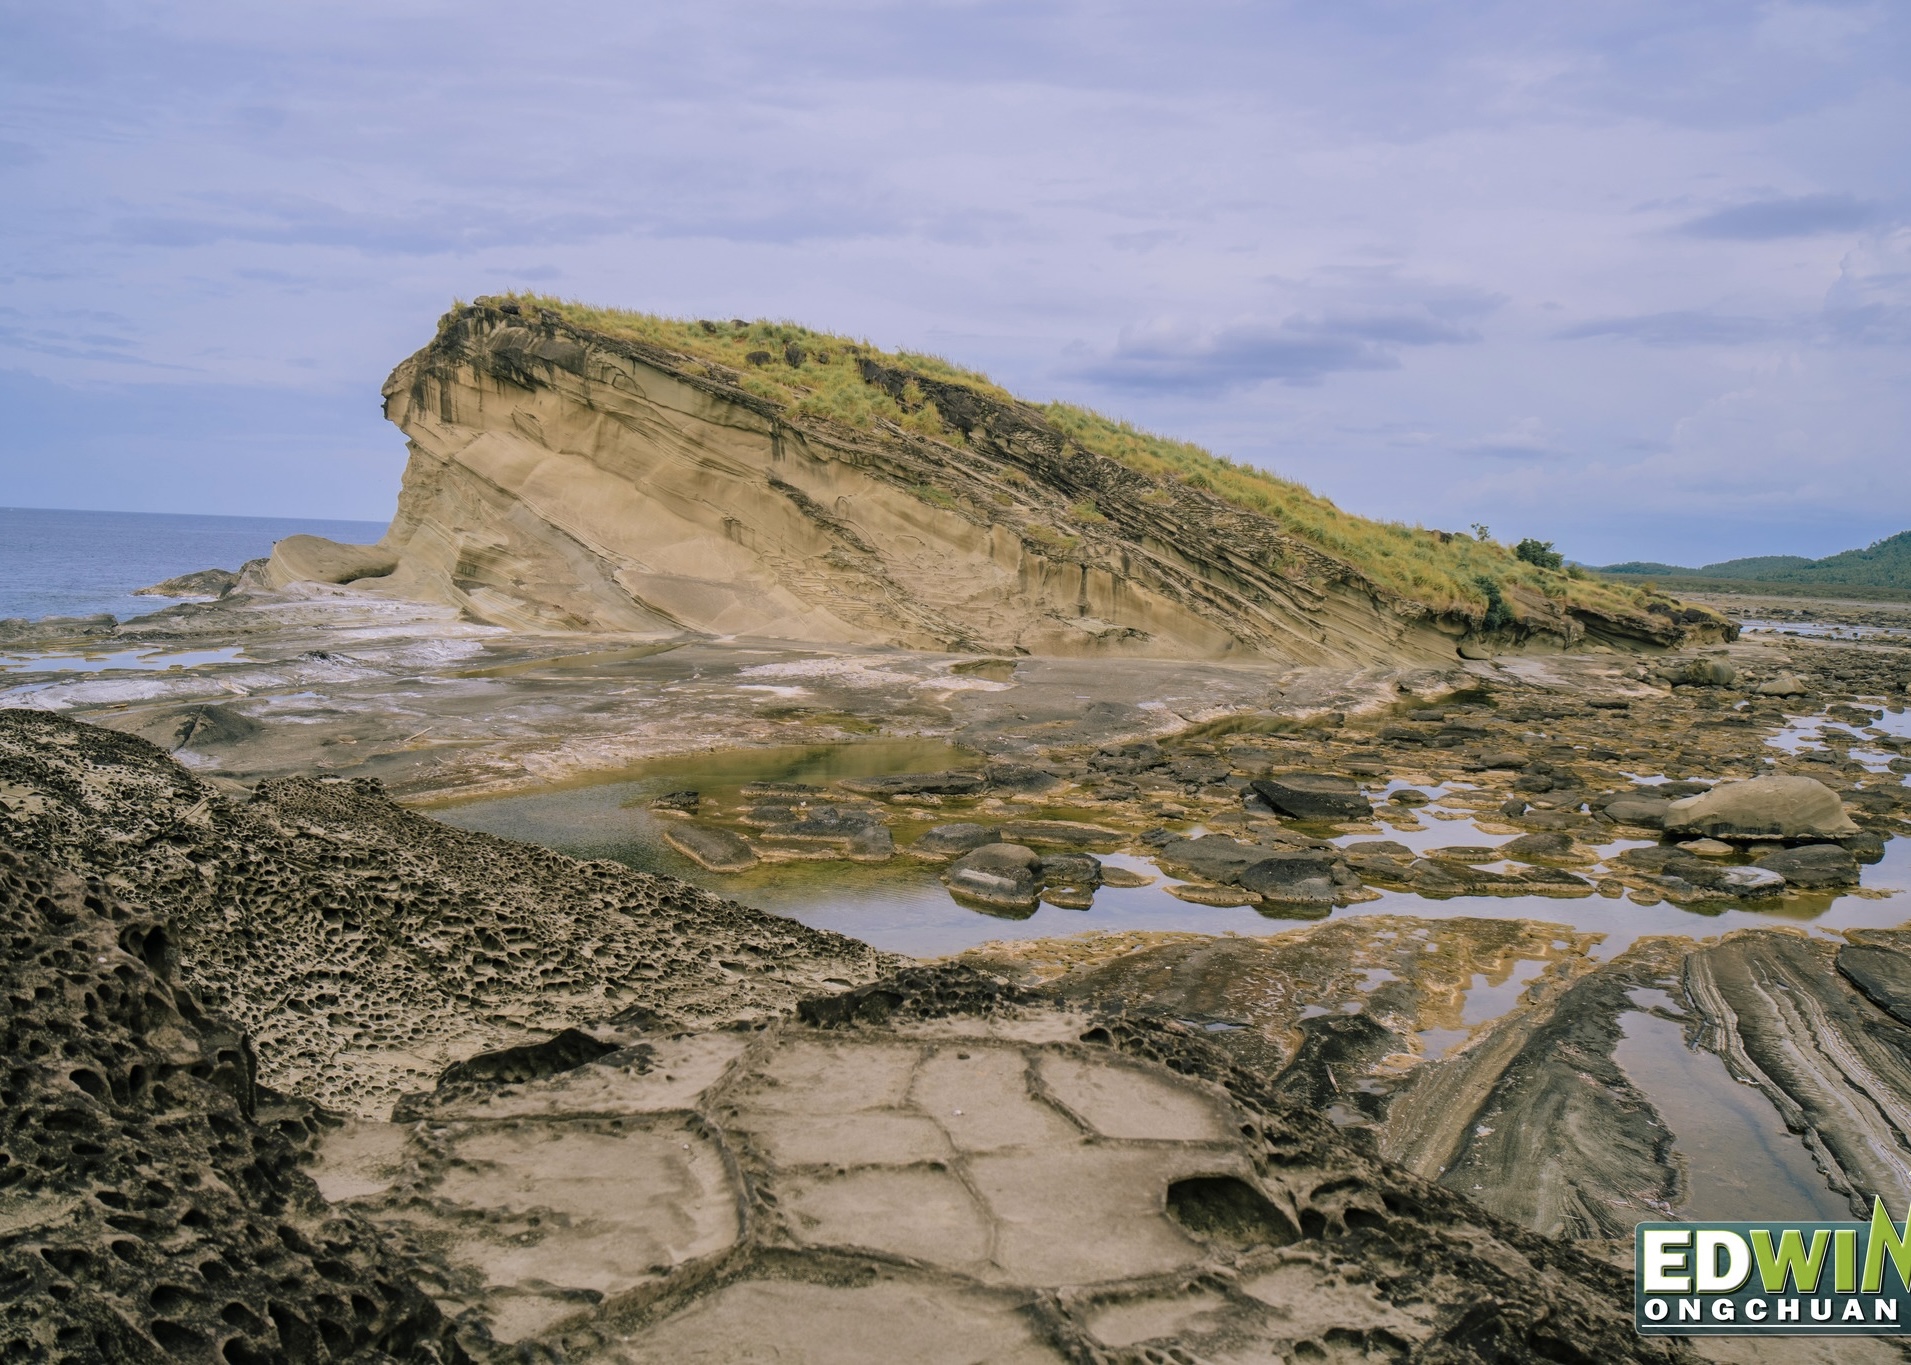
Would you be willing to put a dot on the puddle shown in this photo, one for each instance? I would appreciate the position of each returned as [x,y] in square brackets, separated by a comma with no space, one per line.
[902,907]
[1822,630]
[1738,1155]
[118,659]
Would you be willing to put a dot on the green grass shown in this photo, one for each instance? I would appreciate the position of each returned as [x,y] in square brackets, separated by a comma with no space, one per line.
[1442,571]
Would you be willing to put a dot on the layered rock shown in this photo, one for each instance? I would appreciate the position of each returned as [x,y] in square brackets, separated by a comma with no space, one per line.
[565,479]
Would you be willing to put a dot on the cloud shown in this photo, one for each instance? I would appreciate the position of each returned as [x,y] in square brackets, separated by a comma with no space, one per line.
[1683,328]
[1298,350]
[1766,220]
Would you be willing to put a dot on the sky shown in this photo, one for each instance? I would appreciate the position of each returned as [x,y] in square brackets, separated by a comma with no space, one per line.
[1631,277]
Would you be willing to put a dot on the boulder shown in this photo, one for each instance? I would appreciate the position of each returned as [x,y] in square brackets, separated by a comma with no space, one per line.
[951,841]
[684,802]
[1304,875]
[315,559]
[1740,882]
[1866,847]
[1410,796]
[1005,876]
[1813,866]
[716,850]
[1762,808]
[1071,869]
[1706,673]
[1784,685]
[1314,796]
[200,583]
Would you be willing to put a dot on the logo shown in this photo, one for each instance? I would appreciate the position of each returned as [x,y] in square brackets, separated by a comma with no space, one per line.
[1773,1279]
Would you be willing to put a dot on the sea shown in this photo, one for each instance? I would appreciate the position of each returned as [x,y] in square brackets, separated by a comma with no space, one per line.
[68,563]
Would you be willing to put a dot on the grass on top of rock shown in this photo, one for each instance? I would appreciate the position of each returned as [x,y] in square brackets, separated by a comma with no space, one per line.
[815,374]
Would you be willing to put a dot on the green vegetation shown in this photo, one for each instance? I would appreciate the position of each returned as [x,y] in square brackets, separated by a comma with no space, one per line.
[815,374]
[1540,553]
[1884,564]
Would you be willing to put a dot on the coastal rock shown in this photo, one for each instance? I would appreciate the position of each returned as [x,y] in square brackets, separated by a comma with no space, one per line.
[1301,876]
[944,842]
[201,583]
[956,782]
[1007,876]
[1211,858]
[1314,796]
[1762,808]
[711,848]
[1813,866]
[565,478]
[1784,685]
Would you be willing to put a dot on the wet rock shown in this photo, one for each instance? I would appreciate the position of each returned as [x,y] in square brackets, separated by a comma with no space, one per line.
[1020,778]
[1003,875]
[1211,858]
[1466,853]
[1784,685]
[685,801]
[1707,848]
[1300,876]
[1220,897]
[1124,877]
[1865,847]
[1763,808]
[1071,869]
[1882,973]
[956,782]
[1378,848]
[1314,796]
[711,848]
[1813,866]
[951,841]
[1546,846]
[785,792]
[1739,882]
[1410,796]
[1062,834]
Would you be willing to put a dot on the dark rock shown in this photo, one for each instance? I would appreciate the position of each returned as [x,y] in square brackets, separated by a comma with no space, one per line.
[1314,796]
[202,583]
[1503,758]
[711,848]
[951,841]
[1199,770]
[1813,866]
[1062,834]
[1378,848]
[1513,809]
[956,782]
[1138,757]
[1528,847]
[1303,875]
[1410,796]
[685,801]
[1019,777]
[1882,974]
[1212,857]
[1071,869]
[1866,848]
[1007,876]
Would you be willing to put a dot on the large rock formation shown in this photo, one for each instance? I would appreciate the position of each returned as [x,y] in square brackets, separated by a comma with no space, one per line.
[562,478]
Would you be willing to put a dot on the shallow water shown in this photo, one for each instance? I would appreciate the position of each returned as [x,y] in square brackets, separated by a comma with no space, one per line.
[902,907]
[28,662]
[1737,1153]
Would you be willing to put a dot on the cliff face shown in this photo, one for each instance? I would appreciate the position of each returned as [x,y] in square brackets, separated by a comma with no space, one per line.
[565,479]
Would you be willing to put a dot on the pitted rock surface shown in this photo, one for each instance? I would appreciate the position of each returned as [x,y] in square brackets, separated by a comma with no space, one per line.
[151,1203]
[364,947]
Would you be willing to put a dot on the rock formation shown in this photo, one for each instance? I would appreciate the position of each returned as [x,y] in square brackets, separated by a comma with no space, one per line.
[567,479]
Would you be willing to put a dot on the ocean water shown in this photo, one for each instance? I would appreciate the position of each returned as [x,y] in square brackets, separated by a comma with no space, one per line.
[62,563]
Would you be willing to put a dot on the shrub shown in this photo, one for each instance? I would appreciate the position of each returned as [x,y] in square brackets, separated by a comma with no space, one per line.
[1497,612]
[1539,553]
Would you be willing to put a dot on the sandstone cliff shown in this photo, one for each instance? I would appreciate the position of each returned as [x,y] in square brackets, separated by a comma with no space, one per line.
[563,477]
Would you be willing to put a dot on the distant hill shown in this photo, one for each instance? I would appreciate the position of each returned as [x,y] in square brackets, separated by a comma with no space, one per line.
[1885,564]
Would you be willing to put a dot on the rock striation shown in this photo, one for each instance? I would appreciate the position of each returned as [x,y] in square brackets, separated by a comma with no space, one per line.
[563,478]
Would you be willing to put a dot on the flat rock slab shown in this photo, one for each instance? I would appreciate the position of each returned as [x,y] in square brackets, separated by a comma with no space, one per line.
[711,848]
[1314,796]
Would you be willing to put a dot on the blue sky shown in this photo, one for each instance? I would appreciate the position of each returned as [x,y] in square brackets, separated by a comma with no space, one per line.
[1634,277]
